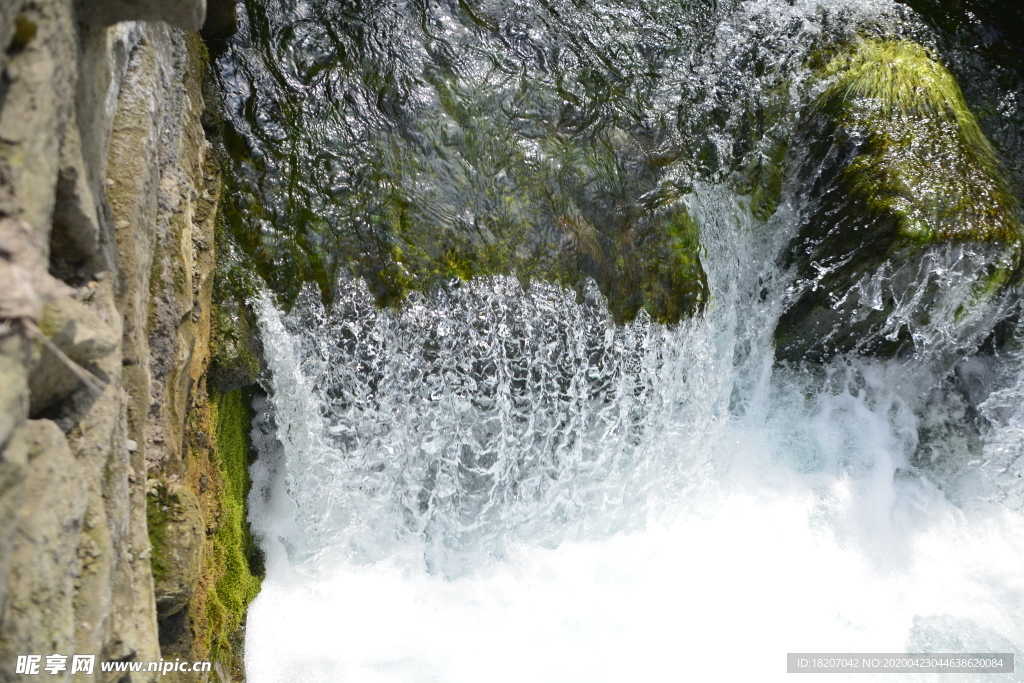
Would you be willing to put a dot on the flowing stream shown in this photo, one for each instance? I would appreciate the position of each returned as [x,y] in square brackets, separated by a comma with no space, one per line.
[495,481]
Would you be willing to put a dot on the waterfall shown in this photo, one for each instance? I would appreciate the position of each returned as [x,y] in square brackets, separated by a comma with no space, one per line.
[494,476]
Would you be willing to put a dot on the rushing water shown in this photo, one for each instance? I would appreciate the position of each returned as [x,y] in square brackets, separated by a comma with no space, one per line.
[499,483]
[494,482]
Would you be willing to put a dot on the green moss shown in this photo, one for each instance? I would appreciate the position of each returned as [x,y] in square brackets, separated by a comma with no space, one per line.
[233,555]
[925,161]
[658,269]
[50,323]
[159,510]
[897,164]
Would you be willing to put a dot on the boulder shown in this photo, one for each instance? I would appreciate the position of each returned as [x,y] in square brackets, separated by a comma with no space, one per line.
[911,233]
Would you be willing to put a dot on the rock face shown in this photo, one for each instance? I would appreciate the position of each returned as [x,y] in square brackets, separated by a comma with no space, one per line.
[108,192]
[912,233]
[176,523]
[186,14]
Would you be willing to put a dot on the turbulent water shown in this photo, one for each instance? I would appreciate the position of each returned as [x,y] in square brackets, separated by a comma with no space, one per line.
[503,483]
[494,482]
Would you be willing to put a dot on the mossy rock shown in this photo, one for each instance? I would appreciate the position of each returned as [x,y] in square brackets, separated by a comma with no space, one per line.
[235,347]
[473,189]
[175,526]
[907,208]
[582,209]
[233,566]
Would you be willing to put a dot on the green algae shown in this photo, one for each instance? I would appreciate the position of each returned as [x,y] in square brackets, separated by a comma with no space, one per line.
[159,506]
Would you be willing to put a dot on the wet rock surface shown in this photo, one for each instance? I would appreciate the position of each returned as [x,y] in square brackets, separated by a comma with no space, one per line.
[911,232]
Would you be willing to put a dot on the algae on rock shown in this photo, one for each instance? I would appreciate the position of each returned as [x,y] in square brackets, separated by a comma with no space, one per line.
[176,529]
[911,232]
[571,210]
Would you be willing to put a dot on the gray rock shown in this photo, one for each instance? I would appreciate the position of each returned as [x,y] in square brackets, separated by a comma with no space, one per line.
[24,281]
[76,228]
[176,529]
[13,385]
[186,14]
[13,470]
[36,109]
[40,603]
[8,11]
[80,334]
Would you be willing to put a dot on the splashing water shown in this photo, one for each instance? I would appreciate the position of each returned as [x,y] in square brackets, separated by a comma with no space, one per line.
[501,483]
[498,483]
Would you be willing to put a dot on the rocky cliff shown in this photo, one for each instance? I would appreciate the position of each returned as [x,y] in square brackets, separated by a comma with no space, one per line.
[108,198]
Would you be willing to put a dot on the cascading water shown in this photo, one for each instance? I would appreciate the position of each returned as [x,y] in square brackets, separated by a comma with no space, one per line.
[498,476]
[499,482]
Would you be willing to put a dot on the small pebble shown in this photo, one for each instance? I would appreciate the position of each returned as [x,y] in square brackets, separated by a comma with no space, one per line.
[132,445]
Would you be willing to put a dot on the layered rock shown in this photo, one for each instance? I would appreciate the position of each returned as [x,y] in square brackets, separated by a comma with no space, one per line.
[108,193]
[911,232]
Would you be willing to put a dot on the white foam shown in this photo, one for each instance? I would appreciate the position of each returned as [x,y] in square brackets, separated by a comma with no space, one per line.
[809,533]
[723,596]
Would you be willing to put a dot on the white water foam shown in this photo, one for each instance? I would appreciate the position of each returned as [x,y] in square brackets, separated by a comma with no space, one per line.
[799,526]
